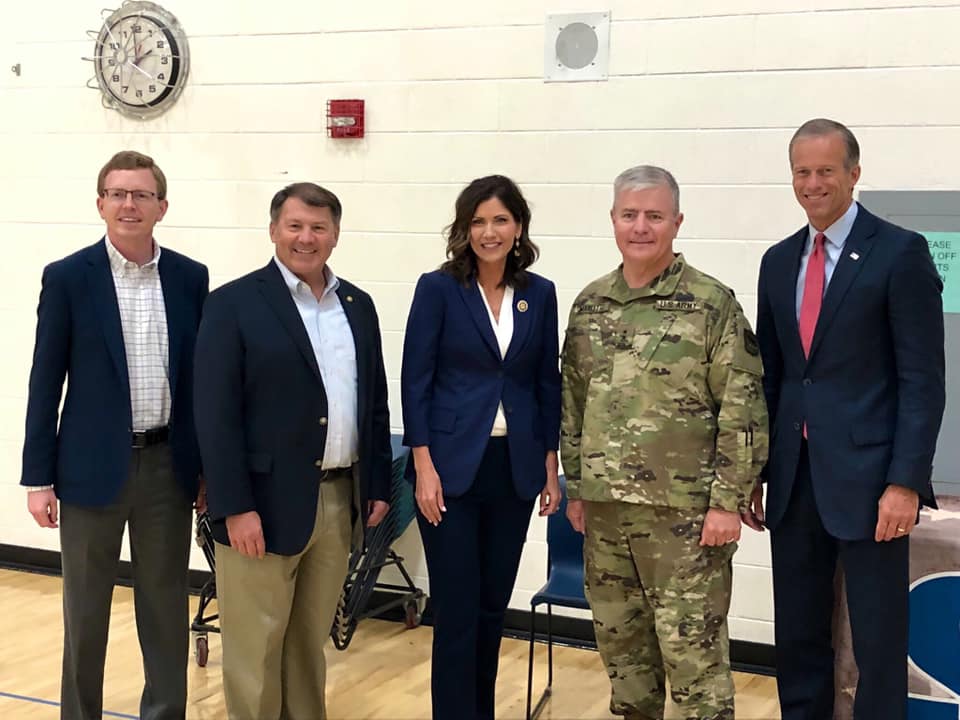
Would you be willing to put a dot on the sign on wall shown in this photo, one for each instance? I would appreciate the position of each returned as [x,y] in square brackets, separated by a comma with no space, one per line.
[945,250]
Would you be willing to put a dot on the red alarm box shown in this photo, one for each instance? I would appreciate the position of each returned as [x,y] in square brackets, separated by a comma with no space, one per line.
[345,118]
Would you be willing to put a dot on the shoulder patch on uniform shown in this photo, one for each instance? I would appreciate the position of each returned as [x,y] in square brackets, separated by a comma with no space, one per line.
[682,305]
[750,343]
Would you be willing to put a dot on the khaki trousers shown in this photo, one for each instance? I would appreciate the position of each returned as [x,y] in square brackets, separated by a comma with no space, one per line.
[276,614]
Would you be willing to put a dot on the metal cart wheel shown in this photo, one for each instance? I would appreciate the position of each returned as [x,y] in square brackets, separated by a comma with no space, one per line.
[201,649]
[411,614]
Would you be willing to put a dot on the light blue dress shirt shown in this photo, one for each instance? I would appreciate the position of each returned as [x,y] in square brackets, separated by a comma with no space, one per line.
[332,341]
[836,238]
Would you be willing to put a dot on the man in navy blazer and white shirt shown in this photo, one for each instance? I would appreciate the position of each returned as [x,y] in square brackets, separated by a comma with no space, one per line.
[294,430]
[118,321]
[850,326]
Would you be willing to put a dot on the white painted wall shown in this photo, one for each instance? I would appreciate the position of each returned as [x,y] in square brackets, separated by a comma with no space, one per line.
[710,89]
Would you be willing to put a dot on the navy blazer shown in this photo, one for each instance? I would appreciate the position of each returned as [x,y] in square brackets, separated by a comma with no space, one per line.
[261,407]
[453,379]
[79,336]
[871,392]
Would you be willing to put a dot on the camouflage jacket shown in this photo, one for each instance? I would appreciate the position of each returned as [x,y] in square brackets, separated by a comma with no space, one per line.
[662,396]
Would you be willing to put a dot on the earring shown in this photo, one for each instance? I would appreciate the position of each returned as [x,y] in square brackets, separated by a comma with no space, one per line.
[516,247]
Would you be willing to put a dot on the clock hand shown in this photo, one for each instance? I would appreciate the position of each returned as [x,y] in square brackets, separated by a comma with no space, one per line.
[141,70]
[110,34]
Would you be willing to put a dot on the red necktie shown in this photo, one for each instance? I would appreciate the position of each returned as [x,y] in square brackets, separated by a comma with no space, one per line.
[812,297]
[812,293]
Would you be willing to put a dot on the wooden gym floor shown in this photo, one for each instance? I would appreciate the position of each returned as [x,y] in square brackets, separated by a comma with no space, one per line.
[383,675]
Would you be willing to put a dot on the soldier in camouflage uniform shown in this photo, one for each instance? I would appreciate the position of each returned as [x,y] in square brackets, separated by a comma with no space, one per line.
[664,435]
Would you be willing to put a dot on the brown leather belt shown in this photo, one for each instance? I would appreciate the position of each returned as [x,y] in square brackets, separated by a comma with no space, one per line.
[334,473]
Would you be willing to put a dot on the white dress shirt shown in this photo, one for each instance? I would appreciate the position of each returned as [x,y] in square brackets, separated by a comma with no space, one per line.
[836,237]
[504,333]
[143,318]
[332,341]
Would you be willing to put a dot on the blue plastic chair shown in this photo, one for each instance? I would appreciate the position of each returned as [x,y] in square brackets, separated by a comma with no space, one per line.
[564,588]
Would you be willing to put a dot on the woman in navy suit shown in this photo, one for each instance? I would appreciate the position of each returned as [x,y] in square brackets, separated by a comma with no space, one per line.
[481,412]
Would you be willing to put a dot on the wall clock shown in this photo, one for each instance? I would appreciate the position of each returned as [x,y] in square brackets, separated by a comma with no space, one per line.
[140,60]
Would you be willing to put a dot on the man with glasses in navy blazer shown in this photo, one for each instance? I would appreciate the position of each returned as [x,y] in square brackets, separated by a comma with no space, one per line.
[118,321]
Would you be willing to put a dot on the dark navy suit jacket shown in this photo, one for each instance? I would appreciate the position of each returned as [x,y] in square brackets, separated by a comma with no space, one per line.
[261,407]
[79,338]
[453,378]
[872,391]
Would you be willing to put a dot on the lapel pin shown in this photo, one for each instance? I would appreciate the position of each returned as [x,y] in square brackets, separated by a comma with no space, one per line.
[854,256]
[349,298]
[522,306]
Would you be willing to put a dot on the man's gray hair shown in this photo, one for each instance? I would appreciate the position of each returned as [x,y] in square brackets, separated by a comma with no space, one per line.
[642,177]
[818,127]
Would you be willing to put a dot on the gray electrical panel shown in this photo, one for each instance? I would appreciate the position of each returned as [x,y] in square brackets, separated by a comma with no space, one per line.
[936,214]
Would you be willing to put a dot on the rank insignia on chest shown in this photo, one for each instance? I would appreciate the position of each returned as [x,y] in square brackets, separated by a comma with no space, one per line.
[681,305]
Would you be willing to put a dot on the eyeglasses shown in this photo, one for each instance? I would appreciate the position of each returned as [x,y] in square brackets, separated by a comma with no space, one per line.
[120,195]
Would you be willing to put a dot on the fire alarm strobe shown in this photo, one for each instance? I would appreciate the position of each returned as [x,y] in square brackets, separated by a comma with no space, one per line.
[345,118]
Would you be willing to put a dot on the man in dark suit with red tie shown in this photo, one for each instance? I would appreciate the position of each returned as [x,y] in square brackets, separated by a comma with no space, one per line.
[850,326]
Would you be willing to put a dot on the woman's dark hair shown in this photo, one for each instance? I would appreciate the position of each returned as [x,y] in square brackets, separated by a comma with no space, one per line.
[461,261]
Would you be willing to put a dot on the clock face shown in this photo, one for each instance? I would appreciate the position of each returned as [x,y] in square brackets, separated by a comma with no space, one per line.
[140,60]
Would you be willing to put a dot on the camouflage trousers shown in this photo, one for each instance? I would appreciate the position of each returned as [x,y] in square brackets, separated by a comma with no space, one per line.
[660,605]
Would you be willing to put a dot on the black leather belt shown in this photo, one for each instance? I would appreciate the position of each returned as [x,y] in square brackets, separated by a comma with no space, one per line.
[334,473]
[140,440]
